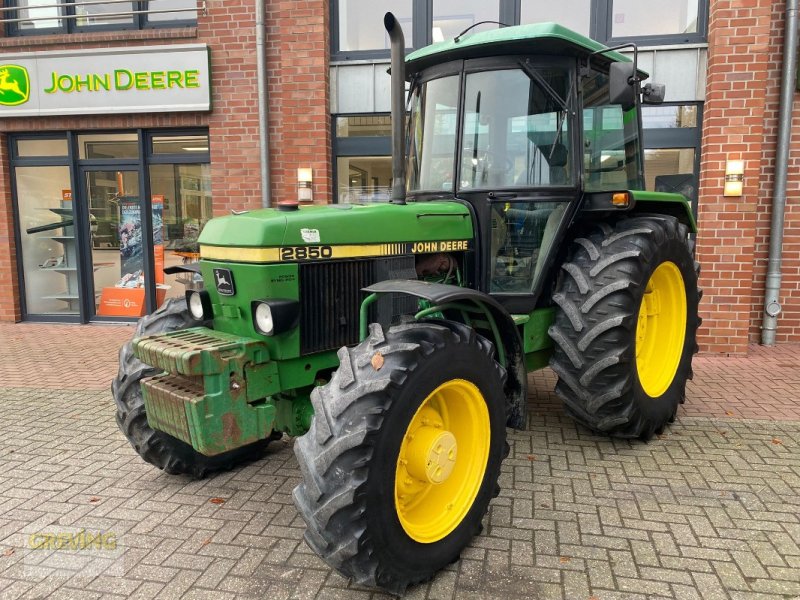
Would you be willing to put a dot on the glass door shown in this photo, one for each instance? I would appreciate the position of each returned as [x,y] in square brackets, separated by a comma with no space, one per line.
[117,242]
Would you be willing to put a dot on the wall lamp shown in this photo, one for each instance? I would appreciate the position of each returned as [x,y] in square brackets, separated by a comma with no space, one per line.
[734,178]
[305,193]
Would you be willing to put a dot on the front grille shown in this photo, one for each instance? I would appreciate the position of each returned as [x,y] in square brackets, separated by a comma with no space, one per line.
[330,299]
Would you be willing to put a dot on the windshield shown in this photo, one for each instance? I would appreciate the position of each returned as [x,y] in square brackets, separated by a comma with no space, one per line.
[434,112]
[515,130]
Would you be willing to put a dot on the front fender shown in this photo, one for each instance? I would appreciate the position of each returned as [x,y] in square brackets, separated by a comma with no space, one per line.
[507,338]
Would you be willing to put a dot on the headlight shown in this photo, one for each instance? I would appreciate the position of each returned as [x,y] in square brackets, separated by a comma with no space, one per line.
[199,303]
[263,319]
[275,315]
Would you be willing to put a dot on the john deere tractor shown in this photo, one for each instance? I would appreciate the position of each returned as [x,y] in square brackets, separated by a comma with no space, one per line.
[393,339]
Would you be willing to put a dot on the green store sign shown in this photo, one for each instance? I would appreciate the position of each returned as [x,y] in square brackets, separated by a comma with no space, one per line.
[146,79]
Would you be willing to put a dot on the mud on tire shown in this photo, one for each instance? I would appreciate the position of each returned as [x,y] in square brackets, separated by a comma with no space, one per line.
[164,451]
[349,456]
[602,286]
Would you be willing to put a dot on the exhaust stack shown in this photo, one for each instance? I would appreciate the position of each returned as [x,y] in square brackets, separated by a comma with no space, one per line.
[398,92]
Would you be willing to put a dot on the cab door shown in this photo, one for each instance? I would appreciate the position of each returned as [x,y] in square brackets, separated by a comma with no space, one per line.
[517,169]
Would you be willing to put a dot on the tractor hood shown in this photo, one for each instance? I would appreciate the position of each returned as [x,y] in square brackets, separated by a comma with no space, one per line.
[340,224]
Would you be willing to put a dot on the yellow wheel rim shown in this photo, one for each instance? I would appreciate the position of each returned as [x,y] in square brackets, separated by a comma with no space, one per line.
[661,329]
[442,461]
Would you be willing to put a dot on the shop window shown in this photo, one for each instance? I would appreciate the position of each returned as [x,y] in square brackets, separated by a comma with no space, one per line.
[575,14]
[35,15]
[180,144]
[89,248]
[671,170]
[108,146]
[364,178]
[161,11]
[118,241]
[364,126]
[451,17]
[38,147]
[669,117]
[47,240]
[658,20]
[360,23]
[115,14]
[181,195]
[672,147]
[71,16]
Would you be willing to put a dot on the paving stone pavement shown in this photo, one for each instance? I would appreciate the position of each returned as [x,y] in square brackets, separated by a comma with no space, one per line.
[708,510]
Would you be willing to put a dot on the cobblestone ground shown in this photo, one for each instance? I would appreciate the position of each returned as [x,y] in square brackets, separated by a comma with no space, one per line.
[708,510]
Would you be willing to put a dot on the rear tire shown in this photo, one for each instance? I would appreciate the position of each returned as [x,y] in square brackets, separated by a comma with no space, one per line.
[365,517]
[164,451]
[618,373]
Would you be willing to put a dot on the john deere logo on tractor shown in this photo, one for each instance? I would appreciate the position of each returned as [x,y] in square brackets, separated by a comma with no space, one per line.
[15,85]
[225,284]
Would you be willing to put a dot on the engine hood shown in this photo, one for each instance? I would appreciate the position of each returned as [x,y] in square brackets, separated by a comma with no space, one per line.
[340,224]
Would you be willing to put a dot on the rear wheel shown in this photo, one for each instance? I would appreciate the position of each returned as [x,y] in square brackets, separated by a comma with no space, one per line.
[403,454]
[625,332]
[164,451]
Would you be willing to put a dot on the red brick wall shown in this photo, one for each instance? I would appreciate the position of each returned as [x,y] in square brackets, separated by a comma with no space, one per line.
[789,320]
[733,128]
[298,55]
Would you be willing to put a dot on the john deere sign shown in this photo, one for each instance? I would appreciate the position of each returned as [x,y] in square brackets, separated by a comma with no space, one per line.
[149,79]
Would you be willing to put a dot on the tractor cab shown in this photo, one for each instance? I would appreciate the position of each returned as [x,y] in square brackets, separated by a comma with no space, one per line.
[526,125]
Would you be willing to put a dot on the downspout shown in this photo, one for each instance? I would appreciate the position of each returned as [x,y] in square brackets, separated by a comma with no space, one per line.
[398,92]
[772,307]
[263,99]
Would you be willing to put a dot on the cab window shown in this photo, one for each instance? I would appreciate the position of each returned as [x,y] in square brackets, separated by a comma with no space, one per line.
[611,145]
[516,131]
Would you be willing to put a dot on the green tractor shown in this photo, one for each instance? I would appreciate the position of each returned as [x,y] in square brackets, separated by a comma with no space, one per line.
[394,339]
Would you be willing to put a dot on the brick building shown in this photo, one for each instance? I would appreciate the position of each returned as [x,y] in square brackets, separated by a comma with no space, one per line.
[193,150]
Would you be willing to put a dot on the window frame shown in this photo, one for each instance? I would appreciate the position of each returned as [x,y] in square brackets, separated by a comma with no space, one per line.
[69,25]
[77,167]
[602,11]
[654,138]
[600,22]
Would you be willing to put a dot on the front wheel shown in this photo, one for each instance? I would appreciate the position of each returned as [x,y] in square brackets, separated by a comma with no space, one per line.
[625,330]
[403,454]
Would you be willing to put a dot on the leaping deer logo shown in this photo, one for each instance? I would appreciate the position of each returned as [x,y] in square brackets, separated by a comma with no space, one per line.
[221,281]
[14,85]
[224,279]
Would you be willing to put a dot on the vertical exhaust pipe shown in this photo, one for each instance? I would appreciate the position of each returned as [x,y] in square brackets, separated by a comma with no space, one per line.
[398,92]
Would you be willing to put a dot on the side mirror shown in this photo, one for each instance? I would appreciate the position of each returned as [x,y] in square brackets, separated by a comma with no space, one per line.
[653,93]
[621,84]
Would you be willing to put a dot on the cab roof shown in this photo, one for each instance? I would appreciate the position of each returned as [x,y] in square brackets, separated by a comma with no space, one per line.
[536,38]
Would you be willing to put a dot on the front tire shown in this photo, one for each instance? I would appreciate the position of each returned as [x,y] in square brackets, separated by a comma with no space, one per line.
[625,332]
[156,447]
[403,453]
